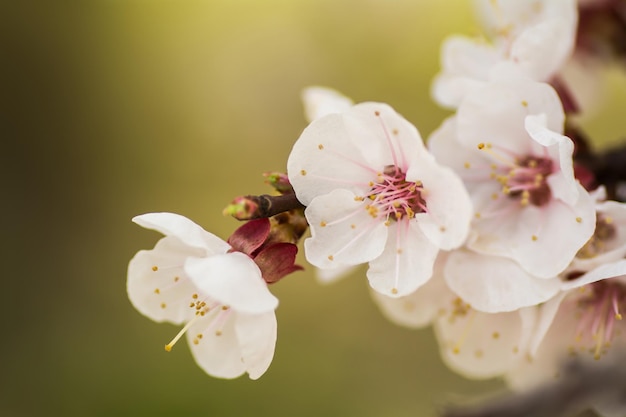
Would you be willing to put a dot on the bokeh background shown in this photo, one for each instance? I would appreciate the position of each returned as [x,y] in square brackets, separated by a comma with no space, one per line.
[116,108]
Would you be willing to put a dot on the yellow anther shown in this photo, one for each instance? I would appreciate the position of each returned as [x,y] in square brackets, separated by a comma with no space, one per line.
[534,238]
[163,305]
[322,224]
[467,165]
[481,145]
[302,172]
[331,257]
[394,290]
[495,335]
[155,268]
[157,291]
[194,296]
[320,146]
[579,220]
[524,103]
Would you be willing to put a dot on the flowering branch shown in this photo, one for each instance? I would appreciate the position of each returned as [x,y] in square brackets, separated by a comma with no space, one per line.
[580,386]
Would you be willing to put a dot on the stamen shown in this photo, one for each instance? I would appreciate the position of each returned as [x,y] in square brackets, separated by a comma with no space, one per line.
[171,344]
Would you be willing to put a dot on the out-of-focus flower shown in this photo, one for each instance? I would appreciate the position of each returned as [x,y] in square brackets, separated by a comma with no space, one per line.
[473,343]
[374,194]
[320,101]
[194,278]
[506,143]
[585,318]
[528,37]
[585,321]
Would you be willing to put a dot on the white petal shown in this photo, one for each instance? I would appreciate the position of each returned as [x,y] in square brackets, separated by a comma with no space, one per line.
[446,224]
[257,340]
[320,101]
[561,148]
[543,240]
[347,150]
[493,284]
[330,275]
[542,49]
[217,351]
[496,113]
[342,231]
[419,308]
[157,284]
[234,280]
[547,313]
[465,66]
[405,264]
[171,224]
[544,365]
[480,345]
[602,272]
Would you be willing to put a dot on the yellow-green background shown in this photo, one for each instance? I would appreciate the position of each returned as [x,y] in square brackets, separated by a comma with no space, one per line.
[116,108]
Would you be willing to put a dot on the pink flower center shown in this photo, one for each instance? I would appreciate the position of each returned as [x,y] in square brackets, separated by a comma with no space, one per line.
[394,197]
[522,177]
[599,310]
[605,232]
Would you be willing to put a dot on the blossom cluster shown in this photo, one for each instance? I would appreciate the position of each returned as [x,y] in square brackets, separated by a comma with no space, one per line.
[491,230]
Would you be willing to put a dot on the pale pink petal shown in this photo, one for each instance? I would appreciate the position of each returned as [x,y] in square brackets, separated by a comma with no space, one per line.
[232,279]
[405,264]
[257,339]
[157,284]
[495,284]
[189,233]
[342,231]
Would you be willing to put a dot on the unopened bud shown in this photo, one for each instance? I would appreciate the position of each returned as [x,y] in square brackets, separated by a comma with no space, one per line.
[241,208]
[279,181]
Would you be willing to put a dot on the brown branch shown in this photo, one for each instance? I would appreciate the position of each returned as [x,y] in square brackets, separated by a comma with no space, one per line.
[580,386]
[262,206]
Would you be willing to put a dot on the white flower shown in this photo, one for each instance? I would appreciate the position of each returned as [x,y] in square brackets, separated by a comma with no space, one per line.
[529,37]
[506,143]
[473,343]
[374,194]
[193,277]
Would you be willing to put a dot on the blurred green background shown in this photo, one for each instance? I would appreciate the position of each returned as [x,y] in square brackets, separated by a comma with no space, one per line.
[116,108]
